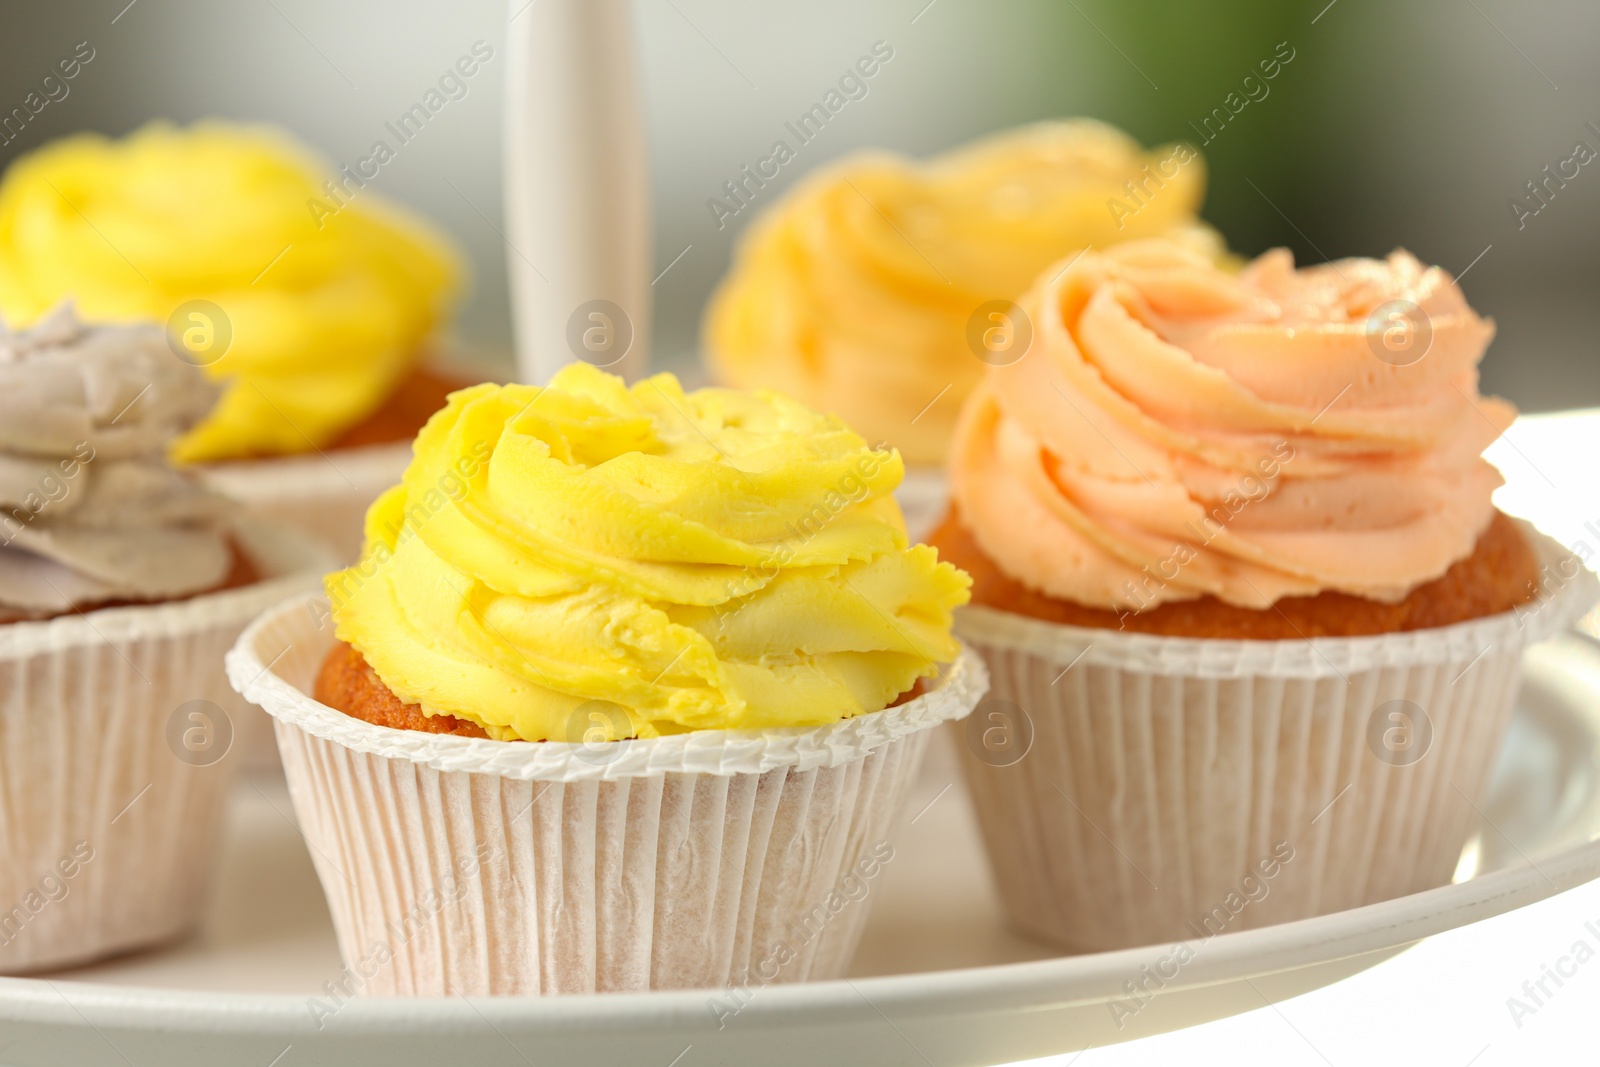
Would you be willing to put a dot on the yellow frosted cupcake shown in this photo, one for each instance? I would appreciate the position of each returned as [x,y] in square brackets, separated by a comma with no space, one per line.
[703,611]
[294,284]
[858,290]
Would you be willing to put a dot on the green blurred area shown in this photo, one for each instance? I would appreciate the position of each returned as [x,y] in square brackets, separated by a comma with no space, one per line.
[1182,71]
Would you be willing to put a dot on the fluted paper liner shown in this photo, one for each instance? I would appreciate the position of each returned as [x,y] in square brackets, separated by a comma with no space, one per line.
[701,860]
[1174,788]
[325,494]
[107,833]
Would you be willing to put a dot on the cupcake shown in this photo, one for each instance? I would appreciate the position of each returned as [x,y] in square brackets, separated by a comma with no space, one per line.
[626,693]
[1254,623]
[291,283]
[122,584]
[879,287]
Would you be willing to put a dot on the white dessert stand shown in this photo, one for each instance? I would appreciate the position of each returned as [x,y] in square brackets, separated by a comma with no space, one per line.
[577,189]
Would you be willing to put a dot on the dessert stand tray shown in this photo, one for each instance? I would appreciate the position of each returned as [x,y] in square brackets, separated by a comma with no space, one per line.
[939,980]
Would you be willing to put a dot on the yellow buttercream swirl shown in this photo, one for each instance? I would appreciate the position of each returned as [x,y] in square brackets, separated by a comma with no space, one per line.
[854,293]
[644,561]
[328,299]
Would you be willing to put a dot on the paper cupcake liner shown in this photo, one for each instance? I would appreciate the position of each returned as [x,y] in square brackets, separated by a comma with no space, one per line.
[1135,789]
[116,731]
[324,494]
[703,860]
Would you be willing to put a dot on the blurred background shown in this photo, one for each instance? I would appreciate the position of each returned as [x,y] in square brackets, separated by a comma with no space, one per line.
[1413,125]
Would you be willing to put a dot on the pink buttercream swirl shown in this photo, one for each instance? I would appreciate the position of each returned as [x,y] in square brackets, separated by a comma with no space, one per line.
[1175,430]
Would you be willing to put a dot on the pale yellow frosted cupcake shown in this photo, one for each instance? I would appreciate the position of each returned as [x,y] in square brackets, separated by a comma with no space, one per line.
[861,291]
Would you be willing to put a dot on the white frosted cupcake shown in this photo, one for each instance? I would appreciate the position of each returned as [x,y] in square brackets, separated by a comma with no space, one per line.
[1254,624]
[626,693]
[122,583]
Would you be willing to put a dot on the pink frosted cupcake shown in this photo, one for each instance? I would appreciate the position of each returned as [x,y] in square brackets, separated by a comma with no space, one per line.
[1242,590]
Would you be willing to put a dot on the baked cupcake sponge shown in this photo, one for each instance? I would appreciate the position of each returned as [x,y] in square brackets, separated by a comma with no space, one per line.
[1500,575]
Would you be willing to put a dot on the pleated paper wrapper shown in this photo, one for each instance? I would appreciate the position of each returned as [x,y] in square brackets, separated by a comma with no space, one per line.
[1135,789]
[117,732]
[324,494]
[458,865]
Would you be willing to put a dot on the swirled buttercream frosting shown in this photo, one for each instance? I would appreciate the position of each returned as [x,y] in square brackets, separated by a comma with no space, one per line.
[643,561]
[1175,431]
[856,290]
[90,510]
[294,285]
